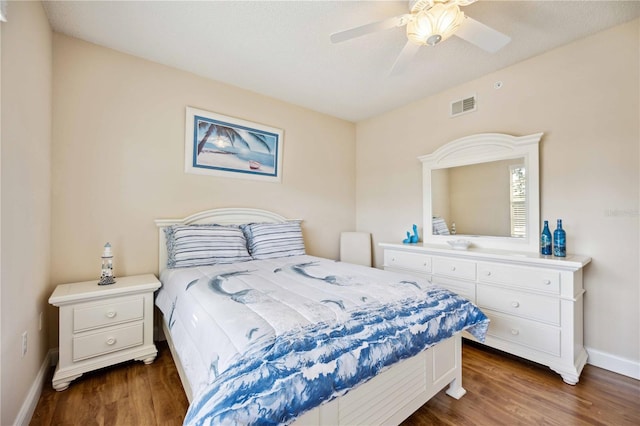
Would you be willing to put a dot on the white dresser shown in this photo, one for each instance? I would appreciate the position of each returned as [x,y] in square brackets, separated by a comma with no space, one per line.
[103,325]
[534,302]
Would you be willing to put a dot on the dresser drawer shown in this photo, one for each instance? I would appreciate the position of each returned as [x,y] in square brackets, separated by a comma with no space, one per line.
[526,305]
[405,260]
[114,311]
[454,268]
[114,339]
[534,335]
[466,289]
[532,278]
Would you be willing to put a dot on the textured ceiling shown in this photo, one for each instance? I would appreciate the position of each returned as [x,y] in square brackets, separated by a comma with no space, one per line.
[281,48]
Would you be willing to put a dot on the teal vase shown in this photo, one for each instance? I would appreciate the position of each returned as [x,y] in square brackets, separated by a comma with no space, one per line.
[559,241]
[545,240]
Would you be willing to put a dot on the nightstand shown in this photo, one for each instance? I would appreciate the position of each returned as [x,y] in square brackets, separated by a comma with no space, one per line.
[103,325]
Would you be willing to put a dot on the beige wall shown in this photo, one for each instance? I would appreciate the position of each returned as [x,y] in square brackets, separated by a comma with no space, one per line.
[584,97]
[26,201]
[118,160]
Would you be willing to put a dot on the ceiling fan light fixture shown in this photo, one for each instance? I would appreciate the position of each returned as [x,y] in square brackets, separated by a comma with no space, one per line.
[433,25]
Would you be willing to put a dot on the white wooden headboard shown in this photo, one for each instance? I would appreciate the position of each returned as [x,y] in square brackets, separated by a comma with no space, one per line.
[226,216]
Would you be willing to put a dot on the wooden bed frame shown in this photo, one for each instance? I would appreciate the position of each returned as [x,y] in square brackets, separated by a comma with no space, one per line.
[388,398]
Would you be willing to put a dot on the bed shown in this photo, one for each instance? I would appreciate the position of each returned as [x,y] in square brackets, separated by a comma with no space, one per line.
[287,338]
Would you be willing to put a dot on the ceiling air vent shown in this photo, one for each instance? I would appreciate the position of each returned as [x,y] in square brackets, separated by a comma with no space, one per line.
[463,106]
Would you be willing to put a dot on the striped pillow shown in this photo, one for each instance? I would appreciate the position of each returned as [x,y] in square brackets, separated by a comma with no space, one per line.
[199,245]
[271,240]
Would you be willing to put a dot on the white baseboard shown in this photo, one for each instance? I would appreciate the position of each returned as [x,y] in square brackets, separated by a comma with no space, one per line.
[31,402]
[626,367]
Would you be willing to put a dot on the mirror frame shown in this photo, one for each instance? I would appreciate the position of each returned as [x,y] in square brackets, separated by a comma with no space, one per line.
[481,148]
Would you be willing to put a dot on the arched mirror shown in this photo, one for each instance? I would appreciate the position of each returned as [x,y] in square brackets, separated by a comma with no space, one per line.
[483,188]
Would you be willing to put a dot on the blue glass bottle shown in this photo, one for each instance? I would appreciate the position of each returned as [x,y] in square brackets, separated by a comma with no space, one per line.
[545,240]
[559,241]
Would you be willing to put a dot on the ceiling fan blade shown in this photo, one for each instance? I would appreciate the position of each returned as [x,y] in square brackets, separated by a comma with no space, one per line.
[404,58]
[396,21]
[486,38]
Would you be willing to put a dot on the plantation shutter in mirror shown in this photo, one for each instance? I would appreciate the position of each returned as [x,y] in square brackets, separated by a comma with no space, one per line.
[518,193]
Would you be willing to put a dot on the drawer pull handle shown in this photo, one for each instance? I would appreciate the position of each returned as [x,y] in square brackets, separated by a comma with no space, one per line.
[453,268]
[515,304]
[393,259]
[424,264]
[111,314]
[547,282]
[488,273]
[111,341]
[515,332]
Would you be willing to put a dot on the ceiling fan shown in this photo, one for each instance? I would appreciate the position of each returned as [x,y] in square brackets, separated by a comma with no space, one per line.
[428,23]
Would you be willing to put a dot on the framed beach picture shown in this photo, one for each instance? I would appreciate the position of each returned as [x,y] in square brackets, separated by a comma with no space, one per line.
[218,145]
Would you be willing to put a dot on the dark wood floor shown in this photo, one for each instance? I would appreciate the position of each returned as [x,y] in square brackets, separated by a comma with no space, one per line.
[501,390]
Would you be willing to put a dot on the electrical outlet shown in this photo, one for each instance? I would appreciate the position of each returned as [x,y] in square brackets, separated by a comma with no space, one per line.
[24,343]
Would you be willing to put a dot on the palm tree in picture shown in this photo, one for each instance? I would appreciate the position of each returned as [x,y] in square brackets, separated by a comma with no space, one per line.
[223,136]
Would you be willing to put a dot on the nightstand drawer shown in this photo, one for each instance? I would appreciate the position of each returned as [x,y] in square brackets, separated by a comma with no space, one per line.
[115,311]
[532,278]
[405,260]
[526,333]
[111,340]
[454,268]
[526,305]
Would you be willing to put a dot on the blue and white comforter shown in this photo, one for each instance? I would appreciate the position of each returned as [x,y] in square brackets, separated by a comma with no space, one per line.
[266,340]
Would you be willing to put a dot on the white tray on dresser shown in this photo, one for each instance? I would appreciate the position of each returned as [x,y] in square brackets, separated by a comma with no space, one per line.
[534,302]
